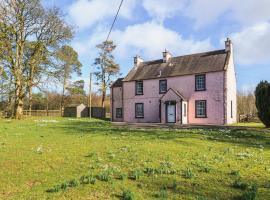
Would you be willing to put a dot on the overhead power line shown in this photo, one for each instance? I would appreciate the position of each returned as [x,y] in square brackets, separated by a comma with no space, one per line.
[114,20]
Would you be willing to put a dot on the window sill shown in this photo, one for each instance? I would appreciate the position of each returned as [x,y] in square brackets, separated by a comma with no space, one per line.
[200,90]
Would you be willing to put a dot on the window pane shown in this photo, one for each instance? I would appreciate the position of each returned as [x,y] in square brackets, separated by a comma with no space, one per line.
[118,112]
[139,87]
[163,86]
[200,82]
[200,108]
[139,110]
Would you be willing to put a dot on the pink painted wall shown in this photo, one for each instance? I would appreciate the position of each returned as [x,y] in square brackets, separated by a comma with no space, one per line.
[116,102]
[231,113]
[186,86]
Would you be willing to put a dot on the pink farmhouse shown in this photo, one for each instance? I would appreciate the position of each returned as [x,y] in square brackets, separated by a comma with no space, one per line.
[191,89]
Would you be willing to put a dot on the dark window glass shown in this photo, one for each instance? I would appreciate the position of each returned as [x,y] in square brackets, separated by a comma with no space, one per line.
[162,86]
[139,87]
[118,112]
[200,82]
[200,109]
[139,110]
[185,110]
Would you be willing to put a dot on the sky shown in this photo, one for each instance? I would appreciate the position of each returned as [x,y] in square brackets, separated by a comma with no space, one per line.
[148,27]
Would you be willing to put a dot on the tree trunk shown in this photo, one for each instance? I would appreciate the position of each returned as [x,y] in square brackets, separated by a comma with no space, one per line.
[103,93]
[63,93]
[30,99]
[18,106]
[103,99]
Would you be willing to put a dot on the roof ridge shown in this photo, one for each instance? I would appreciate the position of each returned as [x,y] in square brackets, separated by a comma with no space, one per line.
[185,55]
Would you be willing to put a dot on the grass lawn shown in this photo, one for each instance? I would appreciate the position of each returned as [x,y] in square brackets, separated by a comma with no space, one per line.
[45,158]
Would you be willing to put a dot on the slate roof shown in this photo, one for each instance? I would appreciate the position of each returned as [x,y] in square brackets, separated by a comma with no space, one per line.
[118,83]
[177,66]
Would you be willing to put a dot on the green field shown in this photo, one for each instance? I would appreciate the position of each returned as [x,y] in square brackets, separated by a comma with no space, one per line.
[45,158]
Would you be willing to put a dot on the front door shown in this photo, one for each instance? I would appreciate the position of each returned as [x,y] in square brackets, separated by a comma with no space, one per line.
[171,113]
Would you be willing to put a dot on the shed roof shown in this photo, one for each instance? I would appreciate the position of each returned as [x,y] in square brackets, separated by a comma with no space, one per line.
[211,61]
[118,83]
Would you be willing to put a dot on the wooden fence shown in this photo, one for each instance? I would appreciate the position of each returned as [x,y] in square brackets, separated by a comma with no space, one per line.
[97,112]
[49,113]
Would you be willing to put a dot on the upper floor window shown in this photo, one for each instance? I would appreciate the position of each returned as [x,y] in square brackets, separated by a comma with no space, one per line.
[118,112]
[162,86]
[200,109]
[200,82]
[139,110]
[139,88]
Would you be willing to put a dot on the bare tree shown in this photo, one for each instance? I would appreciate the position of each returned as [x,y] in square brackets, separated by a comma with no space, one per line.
[22,21]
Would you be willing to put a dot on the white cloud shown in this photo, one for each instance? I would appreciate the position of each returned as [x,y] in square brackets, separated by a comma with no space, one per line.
[252,44]
[160,10]
[205,12]
[85,13]
[150,39]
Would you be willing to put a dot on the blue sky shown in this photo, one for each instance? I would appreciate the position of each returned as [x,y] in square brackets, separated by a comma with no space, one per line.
[147,27]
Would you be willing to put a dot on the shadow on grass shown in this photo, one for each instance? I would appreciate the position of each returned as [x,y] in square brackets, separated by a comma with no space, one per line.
[248,137]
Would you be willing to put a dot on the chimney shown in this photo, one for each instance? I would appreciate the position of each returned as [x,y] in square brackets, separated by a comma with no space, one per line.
[137,61]
[166,56]
[228,45]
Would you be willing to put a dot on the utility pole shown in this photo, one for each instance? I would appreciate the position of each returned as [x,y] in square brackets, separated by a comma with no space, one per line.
[90,96]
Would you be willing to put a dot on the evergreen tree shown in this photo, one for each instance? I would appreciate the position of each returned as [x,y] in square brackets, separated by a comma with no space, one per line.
[262,94]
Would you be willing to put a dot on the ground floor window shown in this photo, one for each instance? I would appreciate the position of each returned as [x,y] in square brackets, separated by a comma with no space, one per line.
[200,109]
[139,110]
[118,112]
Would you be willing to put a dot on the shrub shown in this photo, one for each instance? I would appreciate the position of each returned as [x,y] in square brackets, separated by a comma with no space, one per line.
[188,173]
[262,94]
[127,195]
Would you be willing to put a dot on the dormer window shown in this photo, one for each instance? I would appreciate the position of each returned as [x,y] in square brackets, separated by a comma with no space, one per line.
[200,82]
[139,88]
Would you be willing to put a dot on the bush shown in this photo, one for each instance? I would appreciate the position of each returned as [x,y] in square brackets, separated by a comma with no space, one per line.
[262,94]
[127,195]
